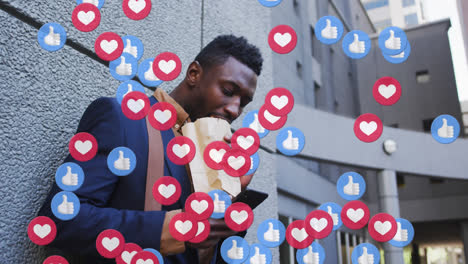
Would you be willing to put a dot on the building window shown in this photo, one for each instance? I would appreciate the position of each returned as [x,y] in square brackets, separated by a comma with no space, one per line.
[400,180]
[411,19]
[436,180]
[394,125]
[408,3]
[427,123]
[375,4]
[383,24]
[299,69]
[423,76]
[287,253]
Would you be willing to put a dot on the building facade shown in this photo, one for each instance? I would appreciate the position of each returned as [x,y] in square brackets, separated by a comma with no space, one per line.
[400,13]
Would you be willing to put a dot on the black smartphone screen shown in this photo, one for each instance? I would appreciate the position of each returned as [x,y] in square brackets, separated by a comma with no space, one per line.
[251,197]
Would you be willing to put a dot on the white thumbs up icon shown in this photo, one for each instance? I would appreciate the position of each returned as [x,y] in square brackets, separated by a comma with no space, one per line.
[351,188]
[366,258]
[311,257]
[70,179]
[219,205]
[401,234]
[291,143]
[329,32]
[52,39]
[94,2]
[130,89]
[333,215]
[445,131]
[258,258]
[122,163]
[132,50]
[123,68]
[235,252]
[149,74]
[357,46]
[255,125]
[66,207]
[271,235]
[392,42]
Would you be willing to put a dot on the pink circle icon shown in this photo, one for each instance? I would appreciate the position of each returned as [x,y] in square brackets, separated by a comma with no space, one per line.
[166,190]
[135,105]
[167,66]
[42,230]
[83,146]
[108,46]
[239,216]
[136,9]
[162,116]
[279,101]
[183,226]
[180,150]
[110,243]
[200,205]
[246,139]
[355,215]
[270,121]
[130,250]
[214,153]
[282,39]
[86,17]
[144,257]
[203,231]
[368,127]
[55,259]
[236,162]
[386,91]
[297,236]
[382,227]
[319,224]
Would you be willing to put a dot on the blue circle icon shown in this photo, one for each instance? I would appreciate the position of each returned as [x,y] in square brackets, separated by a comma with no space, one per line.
[290,141]
[269,3]
[235,250]
[335,212]
[146,73]
[121,161]
[445,129]
[356,44]
[52,36]
[221,201]
[311,254]
[399,58]
[392,40]
[271,233]
[128,87]
[133,46]
[329,30]
[97,3]
[69,176]
[351,186]
[404,235]
[365,253]
[260,254]
[251,121]
[65,205]
[156,253]
[254,162]
[124,68]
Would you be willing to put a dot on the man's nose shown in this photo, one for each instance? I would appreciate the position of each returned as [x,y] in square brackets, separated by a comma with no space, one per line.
[233,108]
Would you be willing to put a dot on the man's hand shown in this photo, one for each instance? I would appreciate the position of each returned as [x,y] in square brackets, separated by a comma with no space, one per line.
[218,230]
[244,180]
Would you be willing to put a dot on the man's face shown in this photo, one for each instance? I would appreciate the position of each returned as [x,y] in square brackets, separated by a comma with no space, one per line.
[223,91]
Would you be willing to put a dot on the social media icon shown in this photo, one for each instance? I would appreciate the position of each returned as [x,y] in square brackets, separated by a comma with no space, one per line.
[297,236]
[282,39]
[270,121]
[69,177]
[239,216]
[356,44]
[259,254]
[203,231]
[52,36]
[96,3]
[313,254]
[334,210]
[368,127]
[167,66]
[200,205]
[290,141]
[400,57]
[166,190]
[162,116]
[221,201]
[136,9]
[133,46]
[235,250]
[55,259]
[319,224]
[129,251]
[123,68]
[156,253]
[65,205]
[121,161]
[329,30]
[365,253]
[269,3]
[279,101]
[146,73]
[83,146]
[404,234]
[445,129]
[251,121]
[127,87]
[236,162]
[351,186]
[271,233]
[245,139]
[355,215]
[214,153]
[382,227]
[109,46]
[386,91]
[144,256]
[86,17]
[180,150]
[42,230]
[183,226]
[135,105]
[110,243]
[392,41]
[254,163]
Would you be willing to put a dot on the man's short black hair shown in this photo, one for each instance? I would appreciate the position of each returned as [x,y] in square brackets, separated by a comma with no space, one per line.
[224,46]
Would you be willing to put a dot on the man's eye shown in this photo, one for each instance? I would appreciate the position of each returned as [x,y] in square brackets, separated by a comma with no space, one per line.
[227,91]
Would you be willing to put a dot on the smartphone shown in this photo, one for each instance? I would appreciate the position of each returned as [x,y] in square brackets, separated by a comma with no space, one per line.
[251,197]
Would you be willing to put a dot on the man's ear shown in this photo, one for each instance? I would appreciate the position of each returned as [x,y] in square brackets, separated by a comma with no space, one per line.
[194,73]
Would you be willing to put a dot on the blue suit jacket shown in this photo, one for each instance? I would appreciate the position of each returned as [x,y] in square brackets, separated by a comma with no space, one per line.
[110,201]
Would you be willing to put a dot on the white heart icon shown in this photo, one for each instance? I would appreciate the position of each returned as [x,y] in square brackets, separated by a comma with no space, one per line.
[109,46]
[135,105]
[239,217]
[183,227]
[382,228]
[387,91]
[127,256]
[318,225]
[279,102]
[86,17]
[355,215]
[368,128]
[217,155]
[299,234]
[42,231]
[162,116]
[236,163]
[83,147]
[181,151]
[282,39]
[271,118]
[137,5]
[148,261]
[167,66]
[167,190]
[110,244]
[199,206]
[245,142]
